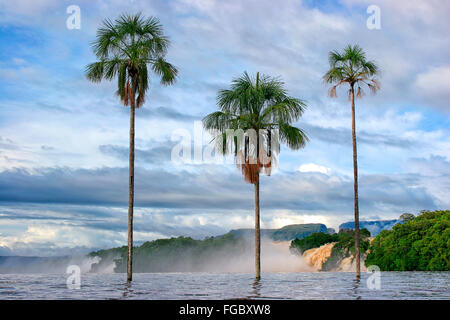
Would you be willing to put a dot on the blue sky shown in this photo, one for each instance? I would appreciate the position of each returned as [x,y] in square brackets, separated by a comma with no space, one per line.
[63,140]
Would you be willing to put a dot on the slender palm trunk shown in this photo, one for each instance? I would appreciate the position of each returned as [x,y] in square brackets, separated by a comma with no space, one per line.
[131,194]
[355,183]
[257,233]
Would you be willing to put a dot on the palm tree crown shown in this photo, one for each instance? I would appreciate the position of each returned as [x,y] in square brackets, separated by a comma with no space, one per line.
[351,67]
[124,49]
[260,103]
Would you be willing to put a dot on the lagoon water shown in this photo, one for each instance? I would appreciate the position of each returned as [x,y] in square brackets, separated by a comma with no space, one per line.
[305,285]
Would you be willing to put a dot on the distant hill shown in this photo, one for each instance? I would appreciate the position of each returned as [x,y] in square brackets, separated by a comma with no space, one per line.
[286,233]
[375,227]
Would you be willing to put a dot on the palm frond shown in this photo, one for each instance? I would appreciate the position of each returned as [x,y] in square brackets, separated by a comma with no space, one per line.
[143,84]
[288,110]
[122,79]
[334,58]
[111,68]
[167,71]
[108,41]
[95,71]
[217,121]
[333,75]
[294,137]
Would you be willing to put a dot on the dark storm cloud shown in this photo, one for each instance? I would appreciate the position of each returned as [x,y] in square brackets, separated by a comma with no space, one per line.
[212,189]
[109,219]
[7,144]
[47,148]
[343,136]
[5,251]
[166,113]
[155,155]
[109,186]
[33,211]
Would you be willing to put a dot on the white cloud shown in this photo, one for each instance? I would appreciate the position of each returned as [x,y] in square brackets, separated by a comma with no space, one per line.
[27,7]
[312,167]
[434,85]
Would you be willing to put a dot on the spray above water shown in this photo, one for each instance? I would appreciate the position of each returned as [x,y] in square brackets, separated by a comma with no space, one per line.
[275,257]
[51,265]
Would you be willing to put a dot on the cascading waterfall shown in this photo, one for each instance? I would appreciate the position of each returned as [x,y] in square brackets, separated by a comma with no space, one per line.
[315,257]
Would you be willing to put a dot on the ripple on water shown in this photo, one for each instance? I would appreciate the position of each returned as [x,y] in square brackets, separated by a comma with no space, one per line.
[314,285]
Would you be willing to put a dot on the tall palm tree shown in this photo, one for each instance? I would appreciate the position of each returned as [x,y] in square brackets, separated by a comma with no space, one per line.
[126,49]
[259,105]
[351,67]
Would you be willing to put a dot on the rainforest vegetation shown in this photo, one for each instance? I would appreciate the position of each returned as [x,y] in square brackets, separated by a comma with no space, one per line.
[421,243]
[315,240]
[416,243]
[169,255]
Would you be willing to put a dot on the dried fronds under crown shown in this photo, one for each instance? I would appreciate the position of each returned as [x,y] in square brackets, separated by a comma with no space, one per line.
[251,167]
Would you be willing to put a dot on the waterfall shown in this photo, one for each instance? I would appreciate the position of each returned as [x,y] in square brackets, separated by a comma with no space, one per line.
[315,257]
